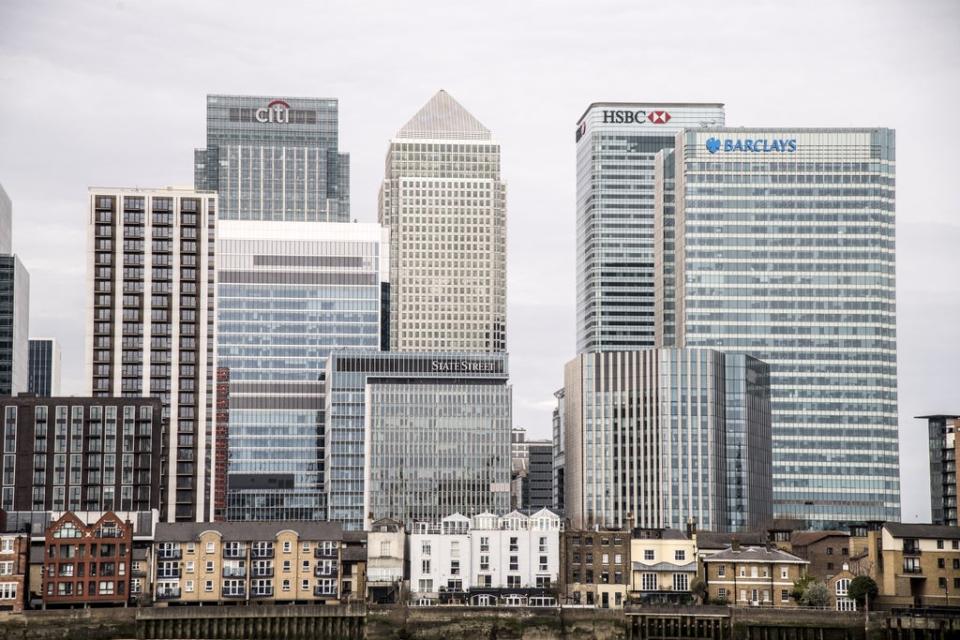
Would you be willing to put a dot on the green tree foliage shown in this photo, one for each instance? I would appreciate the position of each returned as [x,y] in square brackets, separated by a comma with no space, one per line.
[815,595]
[698,587]
[861,587]
[799,586]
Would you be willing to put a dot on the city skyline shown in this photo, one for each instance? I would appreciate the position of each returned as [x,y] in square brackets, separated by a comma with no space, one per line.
[538,151]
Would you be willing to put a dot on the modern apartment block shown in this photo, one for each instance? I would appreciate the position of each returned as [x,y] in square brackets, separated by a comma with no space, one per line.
[785,250]
[150,322]
[616,145]
[44,369]
[658,437]
[247,562]
[14,326]
[486,560]
[274,159]
[445,204]
[943,432]
[87,564]
[288,294]
[416,436]
[82,454]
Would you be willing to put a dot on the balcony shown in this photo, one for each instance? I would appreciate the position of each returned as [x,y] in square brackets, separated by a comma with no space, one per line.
[168,574]
[911,550]
[261,553]
[261,592]
[167,593]
[234,572]
[168,554]
[325,571]
[236,593]
[265,572]
[324,592]
[320,552]
[234,552]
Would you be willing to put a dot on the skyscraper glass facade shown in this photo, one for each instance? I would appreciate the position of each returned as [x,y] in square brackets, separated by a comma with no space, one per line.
[274,158]
[785,247]
[289,294]
[6,223]
[14,326]
[445,204]
[417,436]
[44,367]
[661,437]
[616,146]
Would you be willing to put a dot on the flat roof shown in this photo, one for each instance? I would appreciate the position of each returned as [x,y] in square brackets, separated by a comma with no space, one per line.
[648,104]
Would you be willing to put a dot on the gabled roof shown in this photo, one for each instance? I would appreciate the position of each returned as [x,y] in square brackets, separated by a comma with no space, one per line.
[444,118]
[544,513]
[516,515]
[909,530]
[755,554]
[719,540]
[805,538]
[456,517]
[247,531]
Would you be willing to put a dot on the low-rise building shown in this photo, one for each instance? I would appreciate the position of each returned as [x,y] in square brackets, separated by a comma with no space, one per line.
[826,551]
[239,562]
[87,564]
[919,565]
[354,556]
[595,567]
[487,560]
[664,563]
[14,571]
[752,576]
[385,561]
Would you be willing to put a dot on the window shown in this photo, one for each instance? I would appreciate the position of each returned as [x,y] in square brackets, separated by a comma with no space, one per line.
[721,570]
[454,567]
[829,551]
[722,593]
[939,544]
[680,582]
[287,546]
[680,555]
[743,574]
[514,563]
[188,586]
[648,554]
[304,585]
[210,547]
[605,558]
[190,566]
[785,596]
[425,565]
[286,565]
[784,572]
[648,582]
[385,548]
[513,582]
[209,567]
[285,585]
[305,565]
[484,562]
[425,586]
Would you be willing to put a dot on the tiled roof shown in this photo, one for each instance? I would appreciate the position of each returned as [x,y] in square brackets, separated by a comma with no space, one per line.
[718,540]
[908,530]
[805,538]
[754,554]
[247,531]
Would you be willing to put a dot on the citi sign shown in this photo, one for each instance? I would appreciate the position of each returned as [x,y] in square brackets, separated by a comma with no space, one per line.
[761,145]
[277,111]
[635,117]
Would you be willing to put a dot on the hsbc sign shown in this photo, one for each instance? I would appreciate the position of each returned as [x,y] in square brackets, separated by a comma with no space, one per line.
[623,116]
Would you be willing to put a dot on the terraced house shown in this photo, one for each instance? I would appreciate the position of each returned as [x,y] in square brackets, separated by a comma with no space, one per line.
[248,562]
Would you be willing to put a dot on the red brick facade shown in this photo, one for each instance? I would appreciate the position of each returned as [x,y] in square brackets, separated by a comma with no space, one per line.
[14,569]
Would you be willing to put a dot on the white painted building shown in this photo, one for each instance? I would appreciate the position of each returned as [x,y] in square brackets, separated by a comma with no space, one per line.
[488,558]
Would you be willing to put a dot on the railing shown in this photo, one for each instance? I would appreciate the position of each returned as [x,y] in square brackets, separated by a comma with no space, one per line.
[325,553]
[266,572]
[262,592]
[242,593]
[261,553]
[168,554]
[167,574]
[167,594]
[325,592]
[325,570]
[234,552]
[234,572]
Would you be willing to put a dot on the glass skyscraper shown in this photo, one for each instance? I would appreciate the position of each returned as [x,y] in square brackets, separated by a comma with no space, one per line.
[14,326]
[616,145]
[274,159]
[785,249]
[417,436]
[662,437]
[289,293]
[445,204]
[44,367]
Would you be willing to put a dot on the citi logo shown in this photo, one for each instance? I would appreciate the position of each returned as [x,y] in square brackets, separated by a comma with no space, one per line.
[658,117]
[277,111]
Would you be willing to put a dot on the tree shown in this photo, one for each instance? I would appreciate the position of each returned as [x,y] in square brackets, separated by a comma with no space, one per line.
[799,586]
[861,588]
[698,588]
[816,595]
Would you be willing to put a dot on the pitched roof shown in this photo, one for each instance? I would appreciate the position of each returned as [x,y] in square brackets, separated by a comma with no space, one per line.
[444,118]
[805,538]
[755,554]
[247,531]
[910,530]
[719,540]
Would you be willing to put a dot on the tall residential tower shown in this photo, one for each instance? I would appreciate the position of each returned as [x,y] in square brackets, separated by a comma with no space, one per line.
[445,205]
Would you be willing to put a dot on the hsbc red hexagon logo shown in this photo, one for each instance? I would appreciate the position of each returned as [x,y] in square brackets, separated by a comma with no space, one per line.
[658,117]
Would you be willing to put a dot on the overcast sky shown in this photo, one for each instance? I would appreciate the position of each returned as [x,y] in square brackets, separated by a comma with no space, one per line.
[113,94]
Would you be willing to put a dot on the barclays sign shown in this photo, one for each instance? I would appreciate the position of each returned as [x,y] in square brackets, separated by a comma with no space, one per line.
[760,145]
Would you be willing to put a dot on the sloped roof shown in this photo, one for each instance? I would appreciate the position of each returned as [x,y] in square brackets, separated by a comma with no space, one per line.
[909,530]
[719,540]
[805,538]
[755,554]
[444,118]
[247,531]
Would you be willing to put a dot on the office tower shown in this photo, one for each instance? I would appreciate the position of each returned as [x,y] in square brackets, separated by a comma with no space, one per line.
[445,205]
[785,250]
[274,159]
[616,145]
[150,313]
[537,486]
[654,438]
[559,453]
[14,326]
[81,454]
[6,223]
[416,436]
[288,294]
[44,374]
[664,242]
[944,449]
